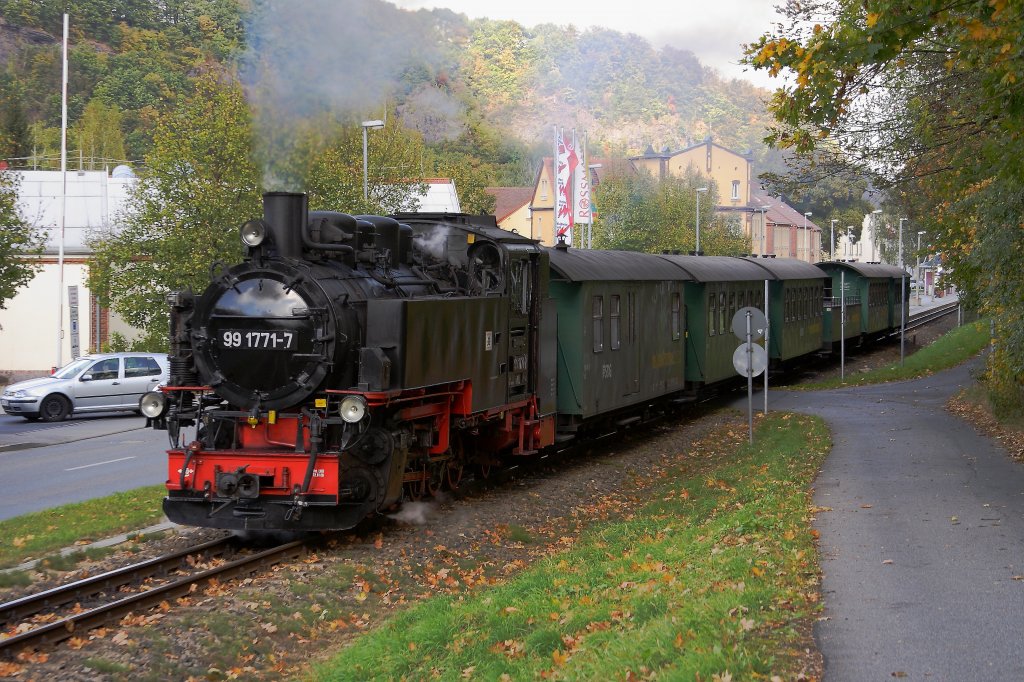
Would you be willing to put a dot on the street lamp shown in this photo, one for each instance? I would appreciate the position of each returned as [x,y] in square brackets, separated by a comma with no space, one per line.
[366,126]
[919,266]
[699,191]
[764,227]
[807,242]
[903,291]
[832,241]
[590,224]
[877,211]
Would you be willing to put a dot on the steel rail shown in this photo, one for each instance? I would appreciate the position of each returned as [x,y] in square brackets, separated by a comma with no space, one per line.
[59,596]
[927,316]
[64,628]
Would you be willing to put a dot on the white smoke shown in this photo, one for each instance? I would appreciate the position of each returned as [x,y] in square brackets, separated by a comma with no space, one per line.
[417,513]
[351,60]
[434,243]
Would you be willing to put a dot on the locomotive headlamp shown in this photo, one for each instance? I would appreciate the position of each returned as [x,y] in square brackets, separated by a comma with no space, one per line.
[153,404]
[254,232]
[353,408]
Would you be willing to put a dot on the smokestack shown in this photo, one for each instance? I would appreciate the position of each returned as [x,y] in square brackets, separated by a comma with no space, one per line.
[287,214]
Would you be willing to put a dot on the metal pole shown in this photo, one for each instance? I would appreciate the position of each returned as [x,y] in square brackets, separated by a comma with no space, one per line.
[63,196]
[807,242]
[832,242]
[842,332]
[699,190]
[767,345]
[365,173]
[750,380]
[903,293]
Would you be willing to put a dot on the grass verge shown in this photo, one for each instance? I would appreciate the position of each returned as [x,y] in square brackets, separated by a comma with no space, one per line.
[948,351]
[717,576]
[39,533]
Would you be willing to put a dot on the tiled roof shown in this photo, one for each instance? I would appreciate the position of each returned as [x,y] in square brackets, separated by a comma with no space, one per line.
[779,212]
[508,200]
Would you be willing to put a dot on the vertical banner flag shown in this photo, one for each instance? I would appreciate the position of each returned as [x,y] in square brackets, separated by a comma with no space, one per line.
[581,187]
[566,162]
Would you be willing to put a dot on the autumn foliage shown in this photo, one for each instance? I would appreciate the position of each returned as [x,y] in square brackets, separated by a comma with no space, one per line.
[924,97]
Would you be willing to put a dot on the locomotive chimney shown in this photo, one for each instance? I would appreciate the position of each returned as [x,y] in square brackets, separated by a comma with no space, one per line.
[286,213]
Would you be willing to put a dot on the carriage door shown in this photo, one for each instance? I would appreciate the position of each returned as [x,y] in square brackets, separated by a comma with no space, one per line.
[624,340]
[520,333]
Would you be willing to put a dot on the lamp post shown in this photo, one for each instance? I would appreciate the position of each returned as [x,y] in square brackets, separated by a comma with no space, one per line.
[877,211]
[764,227]
[590,224]
[699,191]
[903,290]
[832,241]
[807,242]
[919,266]
[366,126]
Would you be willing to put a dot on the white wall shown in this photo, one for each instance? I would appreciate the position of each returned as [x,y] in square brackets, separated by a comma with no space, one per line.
[29,327]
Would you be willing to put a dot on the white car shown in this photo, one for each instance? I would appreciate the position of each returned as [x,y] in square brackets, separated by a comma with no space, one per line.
[90,383]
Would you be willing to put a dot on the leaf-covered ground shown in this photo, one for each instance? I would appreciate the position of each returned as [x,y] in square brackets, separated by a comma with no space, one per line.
[275,625]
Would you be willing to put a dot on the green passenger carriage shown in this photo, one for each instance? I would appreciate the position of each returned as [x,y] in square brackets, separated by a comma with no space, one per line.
[871,289]
[620,331]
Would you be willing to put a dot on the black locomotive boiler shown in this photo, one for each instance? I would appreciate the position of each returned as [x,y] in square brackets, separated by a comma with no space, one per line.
[352,362]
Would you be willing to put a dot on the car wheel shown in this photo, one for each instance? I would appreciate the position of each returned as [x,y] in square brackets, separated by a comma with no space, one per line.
[54,408]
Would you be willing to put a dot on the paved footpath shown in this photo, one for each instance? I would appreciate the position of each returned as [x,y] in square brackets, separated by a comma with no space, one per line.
[922,542]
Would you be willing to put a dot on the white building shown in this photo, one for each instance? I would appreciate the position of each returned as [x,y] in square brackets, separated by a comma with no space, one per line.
[867,248]
[32,322]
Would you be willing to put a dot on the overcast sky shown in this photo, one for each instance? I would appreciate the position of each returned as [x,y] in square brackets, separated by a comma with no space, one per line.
[714,30]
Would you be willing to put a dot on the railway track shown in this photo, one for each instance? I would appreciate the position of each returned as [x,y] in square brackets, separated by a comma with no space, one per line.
[930,315]
[31,620]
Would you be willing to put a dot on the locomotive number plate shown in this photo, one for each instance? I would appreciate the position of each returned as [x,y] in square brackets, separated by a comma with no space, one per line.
[251,339]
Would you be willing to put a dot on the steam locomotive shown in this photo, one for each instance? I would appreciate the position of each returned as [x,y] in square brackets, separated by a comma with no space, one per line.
[353,362]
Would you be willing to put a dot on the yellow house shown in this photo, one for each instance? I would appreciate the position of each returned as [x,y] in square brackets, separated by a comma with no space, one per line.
[730,171]
[512,208]
[542,204]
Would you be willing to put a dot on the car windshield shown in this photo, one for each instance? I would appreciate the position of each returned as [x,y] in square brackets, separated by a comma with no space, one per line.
[72,368]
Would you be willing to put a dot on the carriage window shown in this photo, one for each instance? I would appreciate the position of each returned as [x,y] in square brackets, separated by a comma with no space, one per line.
[598,317]
[614,311]
[712,315]
[676,332]
[732,306]
[723,319]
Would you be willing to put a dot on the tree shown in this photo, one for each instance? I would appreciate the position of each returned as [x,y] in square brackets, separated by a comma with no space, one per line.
[98,135]
[18,241]
[925,96]
[15,140]
[640,213]
[199,185]
[329,162]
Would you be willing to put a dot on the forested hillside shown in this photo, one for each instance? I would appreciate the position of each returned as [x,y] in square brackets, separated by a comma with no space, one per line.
[484,90]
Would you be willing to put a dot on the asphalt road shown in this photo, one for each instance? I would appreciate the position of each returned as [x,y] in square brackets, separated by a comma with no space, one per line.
[922,536]
[45,465]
